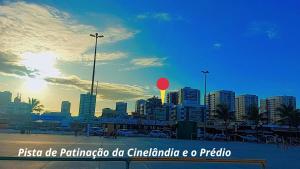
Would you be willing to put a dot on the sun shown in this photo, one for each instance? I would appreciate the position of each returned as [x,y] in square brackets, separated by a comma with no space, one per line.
[35,85]
[43,62]
[44,65]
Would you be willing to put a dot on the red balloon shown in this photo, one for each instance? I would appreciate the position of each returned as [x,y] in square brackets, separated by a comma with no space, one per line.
[162,83]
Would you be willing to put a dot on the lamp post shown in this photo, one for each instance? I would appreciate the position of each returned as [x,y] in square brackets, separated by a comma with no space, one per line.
[205,112]
[96,36]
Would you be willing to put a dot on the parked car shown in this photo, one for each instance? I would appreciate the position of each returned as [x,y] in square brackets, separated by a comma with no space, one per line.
[249,138]
[126,132]
[219,137]
[271,139]
[96,131]
[158,133]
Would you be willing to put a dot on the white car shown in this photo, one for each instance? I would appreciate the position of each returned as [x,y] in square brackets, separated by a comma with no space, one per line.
[126,132]
[158,133]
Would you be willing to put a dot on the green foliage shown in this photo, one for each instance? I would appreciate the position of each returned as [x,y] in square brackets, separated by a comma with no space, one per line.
[289,115]
[35,105]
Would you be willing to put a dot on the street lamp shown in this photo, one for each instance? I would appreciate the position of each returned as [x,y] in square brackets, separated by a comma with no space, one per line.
[96,36]
[205,112]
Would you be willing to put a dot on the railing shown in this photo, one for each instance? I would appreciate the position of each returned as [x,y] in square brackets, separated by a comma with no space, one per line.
[261,163]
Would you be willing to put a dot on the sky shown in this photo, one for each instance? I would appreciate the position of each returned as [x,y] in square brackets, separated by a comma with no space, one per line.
[250,47]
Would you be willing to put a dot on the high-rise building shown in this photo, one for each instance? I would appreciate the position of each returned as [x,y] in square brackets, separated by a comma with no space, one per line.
[121,109]
[189,96]
[224,97]
[244,105]
[87,106]
[140,107]
[5,99]
[152,106]
[172,97]
[65,108]
[187,113]
[271,104]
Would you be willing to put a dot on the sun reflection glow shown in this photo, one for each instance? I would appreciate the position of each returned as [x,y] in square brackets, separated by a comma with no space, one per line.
[35,85]
[43,62]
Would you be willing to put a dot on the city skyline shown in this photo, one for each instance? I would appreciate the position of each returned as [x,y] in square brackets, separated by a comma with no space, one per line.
[235,103]
[48,55]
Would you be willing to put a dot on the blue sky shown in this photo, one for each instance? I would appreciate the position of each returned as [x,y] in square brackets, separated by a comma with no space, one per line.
[248,46]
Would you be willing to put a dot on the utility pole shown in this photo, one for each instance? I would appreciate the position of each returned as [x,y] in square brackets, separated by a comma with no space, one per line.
[205,112]
[96,36]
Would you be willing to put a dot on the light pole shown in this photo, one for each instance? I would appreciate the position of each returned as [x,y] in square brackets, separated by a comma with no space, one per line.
[96,36]
[205,112]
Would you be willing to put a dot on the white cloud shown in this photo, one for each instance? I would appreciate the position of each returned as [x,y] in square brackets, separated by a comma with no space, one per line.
[104,56]
[160,16]
[34,28]
[10,66]
[148,62]
[217,45]
[107,91]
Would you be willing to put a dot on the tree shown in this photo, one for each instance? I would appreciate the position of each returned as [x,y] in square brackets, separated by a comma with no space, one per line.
[223,113]
[35,105]
[289,115]
[256,117]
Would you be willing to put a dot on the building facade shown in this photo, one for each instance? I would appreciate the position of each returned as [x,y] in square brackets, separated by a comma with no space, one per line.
[153,104]
[271,104]
[224,97]
[87,106]
[187,113]
[189,96]
[244,105]
[140,107]
[65,108]
[121,109]
[173,97]
[5,98]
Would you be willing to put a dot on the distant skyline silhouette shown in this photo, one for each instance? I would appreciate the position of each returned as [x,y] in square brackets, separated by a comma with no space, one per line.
[248,47]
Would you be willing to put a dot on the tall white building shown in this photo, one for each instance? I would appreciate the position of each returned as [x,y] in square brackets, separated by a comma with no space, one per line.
[121,109]
[66,108]
[189,96]
[244,105]
[224,97]
[87,106]
[271,104]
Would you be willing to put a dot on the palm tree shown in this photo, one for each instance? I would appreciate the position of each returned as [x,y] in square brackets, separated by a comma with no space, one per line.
[223,113]
[35,105]
[255,116]
[289,115]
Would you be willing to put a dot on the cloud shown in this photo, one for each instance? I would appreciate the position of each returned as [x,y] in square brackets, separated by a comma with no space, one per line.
[104,56]
[107,91]
[217,45]
[160,16]
[267,29]
[10,66]
[148,62]
[27,27]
